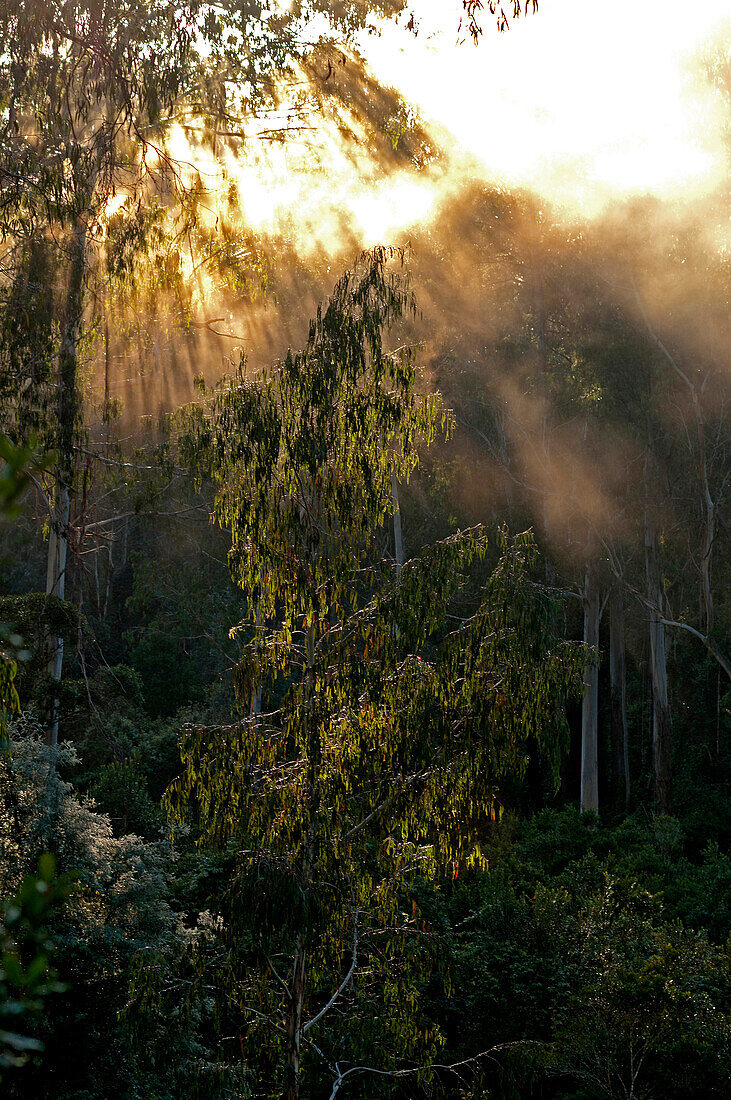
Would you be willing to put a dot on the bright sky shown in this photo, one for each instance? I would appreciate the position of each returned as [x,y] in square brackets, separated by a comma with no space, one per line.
[583,100]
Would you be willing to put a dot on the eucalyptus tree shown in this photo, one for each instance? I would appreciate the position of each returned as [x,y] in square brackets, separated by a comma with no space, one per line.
[88,92]
[82,97]
[385,720]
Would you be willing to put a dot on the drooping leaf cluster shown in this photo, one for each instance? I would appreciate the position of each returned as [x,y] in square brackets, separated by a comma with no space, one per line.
[304,455]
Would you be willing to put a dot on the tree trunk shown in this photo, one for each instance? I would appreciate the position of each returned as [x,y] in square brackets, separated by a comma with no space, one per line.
[709,534]
[617,676]
[590,701]
[256,693]
[299,974]
[398,543]
[66,413]
[294,1023]
[256,702]
[661,759]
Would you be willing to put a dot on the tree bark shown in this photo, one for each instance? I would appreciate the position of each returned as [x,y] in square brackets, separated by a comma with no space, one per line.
[66,413]
[618,692]
[709,534]
[294,1023]
[590,700]
[661,744]
[398,542]
[255,707]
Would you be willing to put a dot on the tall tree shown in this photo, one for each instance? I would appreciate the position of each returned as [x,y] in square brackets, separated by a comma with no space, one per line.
[85,107]
[83,98]
[380,760]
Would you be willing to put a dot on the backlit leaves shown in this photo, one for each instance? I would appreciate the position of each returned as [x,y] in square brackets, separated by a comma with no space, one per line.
[387,720]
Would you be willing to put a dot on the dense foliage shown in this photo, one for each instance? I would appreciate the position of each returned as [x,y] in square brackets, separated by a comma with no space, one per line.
[364,722]
[362,894]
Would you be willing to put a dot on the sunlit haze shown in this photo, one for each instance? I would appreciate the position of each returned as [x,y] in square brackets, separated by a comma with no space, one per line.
[581,101]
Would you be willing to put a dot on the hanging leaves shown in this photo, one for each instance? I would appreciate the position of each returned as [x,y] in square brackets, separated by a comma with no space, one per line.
[386,724]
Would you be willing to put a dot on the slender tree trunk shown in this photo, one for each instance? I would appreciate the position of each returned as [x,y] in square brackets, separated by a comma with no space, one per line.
[590,701]
[109,575]
[618,680]
[256,701]
[709,534]
[294,1023]
[66,413]
[661,744]
[398,543]
[56,586]
[299,973]
[256,693]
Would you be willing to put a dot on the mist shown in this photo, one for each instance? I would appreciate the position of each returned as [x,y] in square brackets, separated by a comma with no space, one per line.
[512,291]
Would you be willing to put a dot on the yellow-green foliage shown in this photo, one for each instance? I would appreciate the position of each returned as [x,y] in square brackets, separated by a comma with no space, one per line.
[385,722]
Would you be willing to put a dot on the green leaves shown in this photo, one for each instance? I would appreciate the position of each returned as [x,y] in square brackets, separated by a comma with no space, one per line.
[386,721]
[26,977]
[303,454]
[19,463]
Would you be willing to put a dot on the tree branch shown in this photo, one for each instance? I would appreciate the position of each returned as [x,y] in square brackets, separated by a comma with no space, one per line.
[341,987]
